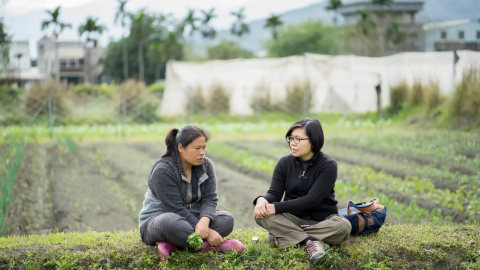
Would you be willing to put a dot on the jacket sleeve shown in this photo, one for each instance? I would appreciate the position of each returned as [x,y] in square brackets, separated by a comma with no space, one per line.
[277,186]
[324,183]
[168,192]
[209,194]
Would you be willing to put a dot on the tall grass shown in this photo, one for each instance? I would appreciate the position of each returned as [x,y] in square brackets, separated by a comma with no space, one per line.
[10,162]
[416,93]
[466,98]
[432,95]
[398,96]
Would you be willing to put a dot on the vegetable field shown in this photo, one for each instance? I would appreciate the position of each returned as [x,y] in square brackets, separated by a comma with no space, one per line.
[79,186]
[73,203]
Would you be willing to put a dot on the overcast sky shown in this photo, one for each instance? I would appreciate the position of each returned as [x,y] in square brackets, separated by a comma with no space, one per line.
[23,17]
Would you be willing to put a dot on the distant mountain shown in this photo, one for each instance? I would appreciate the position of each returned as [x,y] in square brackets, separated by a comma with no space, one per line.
[433,11]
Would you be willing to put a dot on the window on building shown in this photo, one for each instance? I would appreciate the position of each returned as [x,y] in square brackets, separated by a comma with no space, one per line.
[461,34]
[81,62]
[444,34]
[63,63]
[72,62]
[478,34]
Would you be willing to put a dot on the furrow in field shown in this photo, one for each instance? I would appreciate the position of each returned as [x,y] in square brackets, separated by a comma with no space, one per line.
[81,199]
[33,211]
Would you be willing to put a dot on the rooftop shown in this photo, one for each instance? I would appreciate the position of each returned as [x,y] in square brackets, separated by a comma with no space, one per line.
[429,26]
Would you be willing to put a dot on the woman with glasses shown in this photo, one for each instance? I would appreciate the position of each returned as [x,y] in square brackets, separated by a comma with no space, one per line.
[308,215]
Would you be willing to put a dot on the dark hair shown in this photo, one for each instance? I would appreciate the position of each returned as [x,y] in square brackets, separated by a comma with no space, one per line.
[185,136]
[314,131]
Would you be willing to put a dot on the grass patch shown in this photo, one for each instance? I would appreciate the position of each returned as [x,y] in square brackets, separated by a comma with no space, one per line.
[394,247]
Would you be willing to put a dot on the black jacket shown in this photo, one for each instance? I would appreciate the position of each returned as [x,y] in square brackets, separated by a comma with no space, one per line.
[309,194]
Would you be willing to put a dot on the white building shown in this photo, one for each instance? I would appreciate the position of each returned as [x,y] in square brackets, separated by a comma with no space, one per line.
[452,35]
[77,62]
[19,69]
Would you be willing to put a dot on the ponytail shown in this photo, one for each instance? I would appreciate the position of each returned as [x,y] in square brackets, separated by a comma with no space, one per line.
[171,142]
[188,134]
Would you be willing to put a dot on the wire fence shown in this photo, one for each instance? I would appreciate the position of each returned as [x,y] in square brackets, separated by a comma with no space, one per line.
[132,103]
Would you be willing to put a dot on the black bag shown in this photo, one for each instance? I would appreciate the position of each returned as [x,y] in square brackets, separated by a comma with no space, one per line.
[366,217]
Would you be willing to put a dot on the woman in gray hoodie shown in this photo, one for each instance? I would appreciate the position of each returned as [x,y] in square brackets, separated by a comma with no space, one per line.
[182,198]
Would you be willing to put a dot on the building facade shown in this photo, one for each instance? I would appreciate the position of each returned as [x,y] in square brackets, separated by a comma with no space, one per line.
[18,69]
[452,35]
[78,62]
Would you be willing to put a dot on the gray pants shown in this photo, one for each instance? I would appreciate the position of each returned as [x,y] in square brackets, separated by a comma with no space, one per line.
[172,228]
[288,230]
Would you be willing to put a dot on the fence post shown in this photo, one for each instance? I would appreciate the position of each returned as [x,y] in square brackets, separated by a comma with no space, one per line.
[49,96]
[119,109]
[305,89]
[258,107]
[124,107]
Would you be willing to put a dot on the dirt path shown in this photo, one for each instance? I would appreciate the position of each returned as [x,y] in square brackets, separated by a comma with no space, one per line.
[81,199]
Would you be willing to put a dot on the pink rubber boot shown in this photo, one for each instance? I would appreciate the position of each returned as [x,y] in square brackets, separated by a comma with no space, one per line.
[227,245]
[165,249]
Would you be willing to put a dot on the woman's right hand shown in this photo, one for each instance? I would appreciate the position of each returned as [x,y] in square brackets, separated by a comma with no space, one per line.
[214,239]
[261,208]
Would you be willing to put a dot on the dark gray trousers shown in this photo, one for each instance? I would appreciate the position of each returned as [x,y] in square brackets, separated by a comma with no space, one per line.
[172,228]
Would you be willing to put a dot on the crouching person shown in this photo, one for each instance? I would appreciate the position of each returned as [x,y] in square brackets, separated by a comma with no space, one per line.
[308,215]
[182,198]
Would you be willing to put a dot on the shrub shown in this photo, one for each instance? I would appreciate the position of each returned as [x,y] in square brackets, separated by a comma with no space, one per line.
[416,93]
[131,93]
[93,90]
[35,101]
[466,98]
[146,113]
[262,101]
[432,97]
[219,100]
[398,96]
[295,99]
[198,103]
[156,89]
[9,95]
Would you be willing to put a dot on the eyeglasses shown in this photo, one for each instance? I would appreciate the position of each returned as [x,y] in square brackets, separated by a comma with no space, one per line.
[294,139]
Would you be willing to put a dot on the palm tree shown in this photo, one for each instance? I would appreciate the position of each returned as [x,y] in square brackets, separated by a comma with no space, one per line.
[121,16]
[273,23]
[191,21]
[139,22]
[334,5]
[91,26]
[394,35]
[239,27]
[4,48]
[366,23]
[208,32]
[156,53]
[58,28]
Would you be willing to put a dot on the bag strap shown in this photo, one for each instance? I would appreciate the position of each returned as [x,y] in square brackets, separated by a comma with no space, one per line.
[366,207]
[361,224]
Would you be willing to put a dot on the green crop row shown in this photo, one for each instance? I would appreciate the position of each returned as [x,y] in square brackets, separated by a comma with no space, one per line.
[453,147]
[11,161]
[347,191]
[463,199]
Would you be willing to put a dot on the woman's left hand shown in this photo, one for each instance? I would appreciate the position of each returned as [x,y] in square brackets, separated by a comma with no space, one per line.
[203,228]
